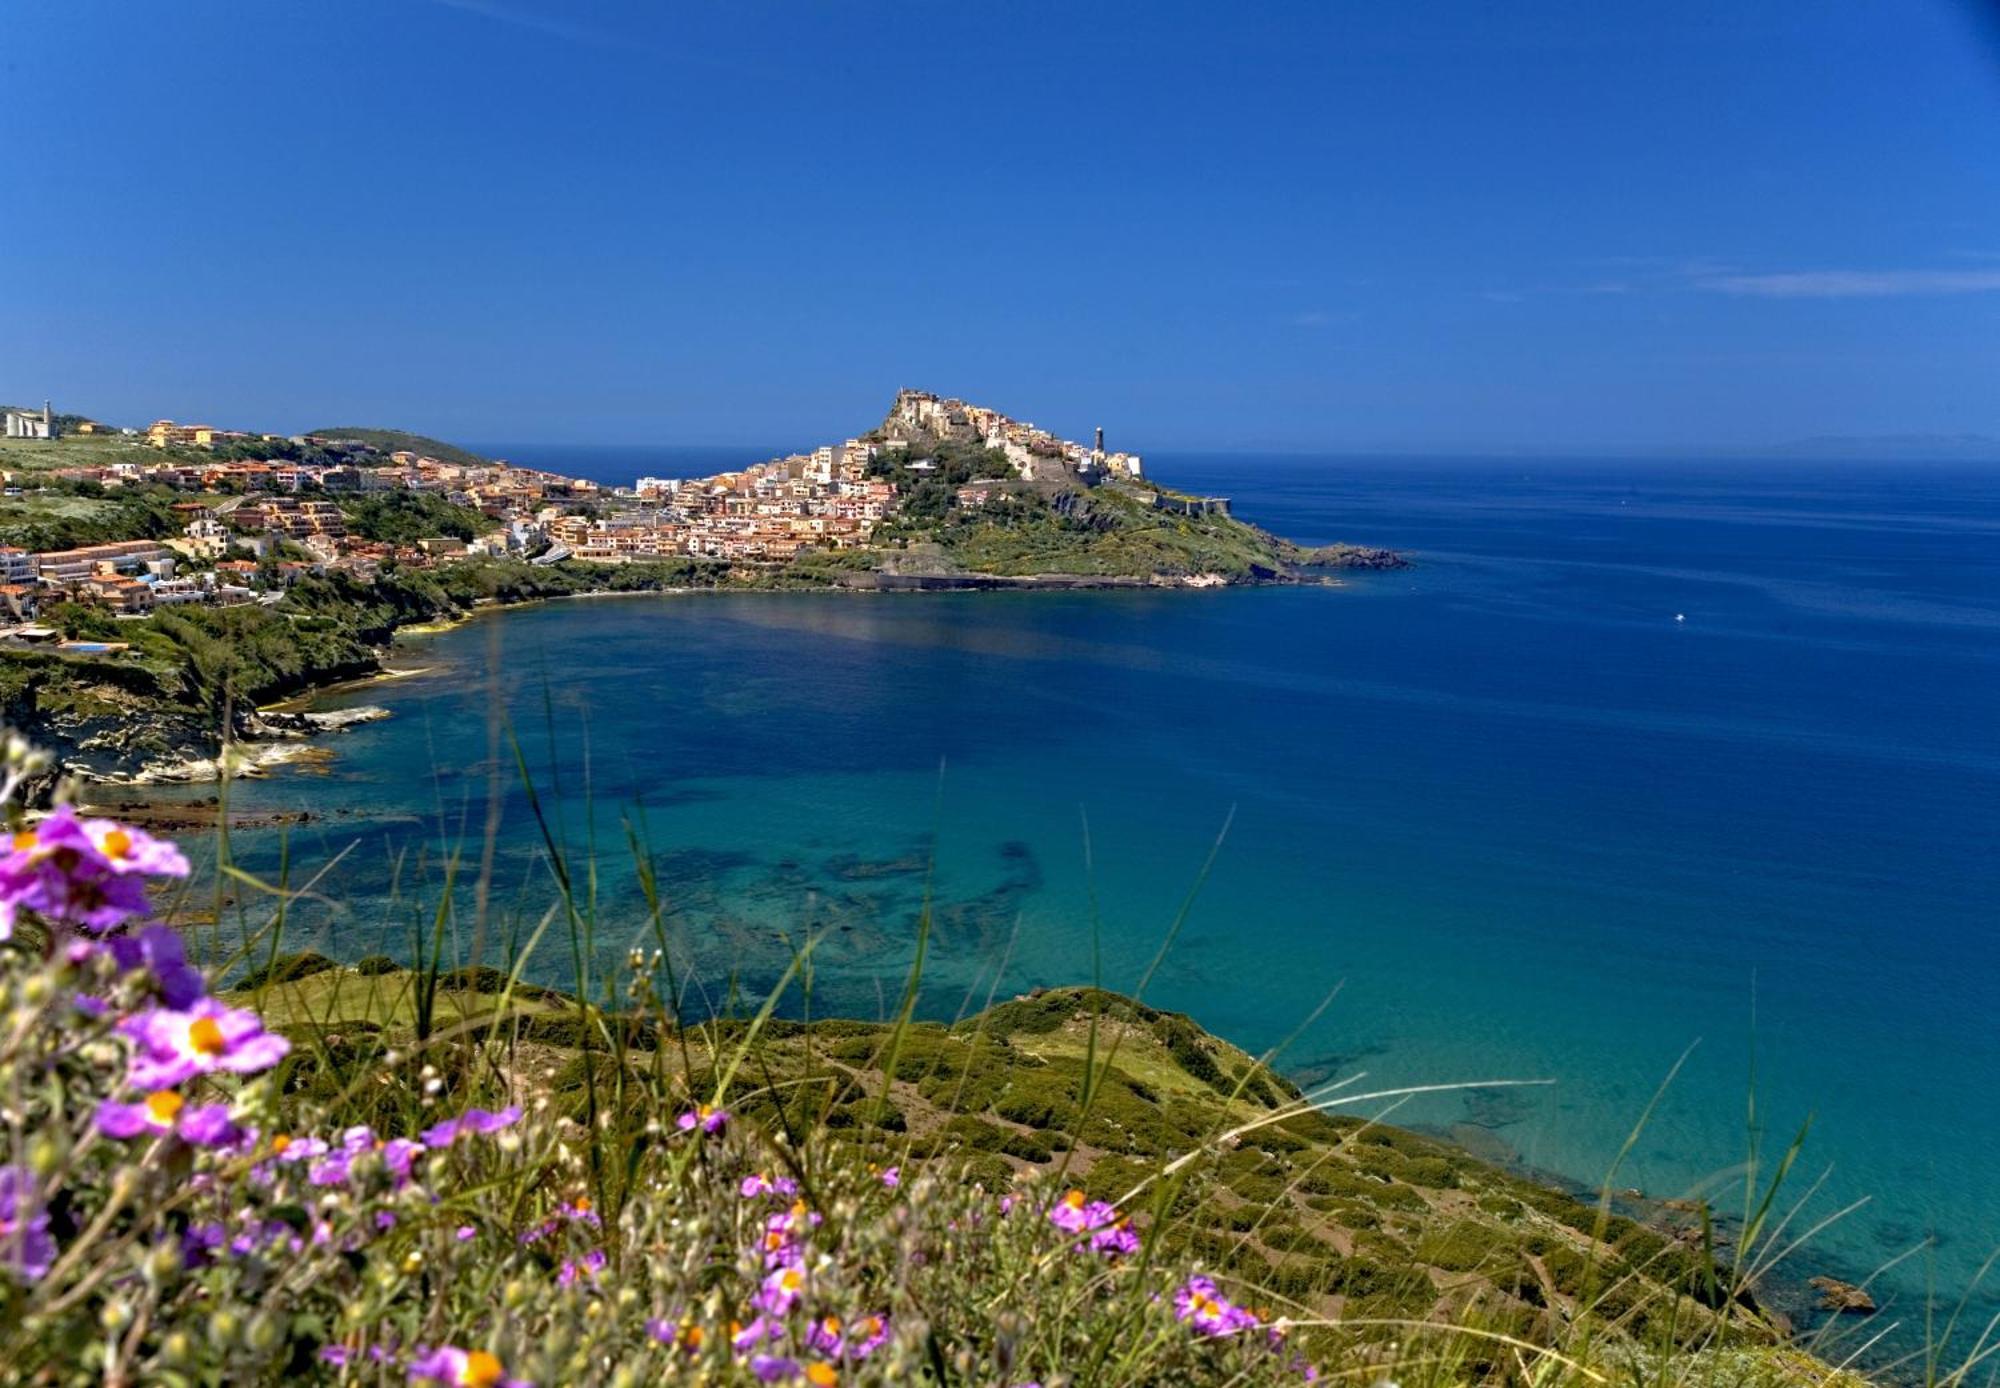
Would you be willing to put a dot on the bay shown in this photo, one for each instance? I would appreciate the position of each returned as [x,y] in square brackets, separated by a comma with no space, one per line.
[1641,756]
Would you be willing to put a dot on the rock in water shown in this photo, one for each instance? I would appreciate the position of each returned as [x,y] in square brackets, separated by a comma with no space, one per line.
[1843,1297]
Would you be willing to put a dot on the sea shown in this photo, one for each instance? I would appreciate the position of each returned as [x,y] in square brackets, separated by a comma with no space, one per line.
[1672,787]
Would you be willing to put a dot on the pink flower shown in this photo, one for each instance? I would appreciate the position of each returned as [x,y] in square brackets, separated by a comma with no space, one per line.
[1117,1238]
[157,949]
[163,1112]
[824,1335]
[177,1045]
[131,851]
[873,1333]
[760,1329]
[707,1117]
[1201,1306]
[893,1177]
[573,1271]
[783,1233]
[58,870]
[460,1368]
[26,1250]
[781,1290]
[473,1120]
[754,1185]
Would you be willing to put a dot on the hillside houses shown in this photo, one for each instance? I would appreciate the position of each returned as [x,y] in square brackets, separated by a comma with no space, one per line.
[1037,454]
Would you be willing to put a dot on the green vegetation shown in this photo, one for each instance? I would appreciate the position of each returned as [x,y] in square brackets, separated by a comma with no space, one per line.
[926,496]
[386,441]
[64,515]
[1368,1232]
[1110,531]
[404,517]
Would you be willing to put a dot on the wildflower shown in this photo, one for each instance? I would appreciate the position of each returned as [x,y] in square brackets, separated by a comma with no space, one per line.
[133,851]
[164,1111]
[781,1290]
[473,1120]
[1116,1238]
[871,1332]
[824,1335]
[399,1154]
[573,1271]
[707,1117]
[25,1246]
[1110,1231]
[1068,1213]
[682,1334]
[783,1234]
[893,1177]
[771,1368]
[57,870]
[460,1368]
[821,1375]
[744,1338]
[754,1185]
[177,1045]
[1203,1307]
[157,949]
[465,1233]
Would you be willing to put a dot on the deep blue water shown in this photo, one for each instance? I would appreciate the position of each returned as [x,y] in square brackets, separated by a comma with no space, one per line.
[1538,827]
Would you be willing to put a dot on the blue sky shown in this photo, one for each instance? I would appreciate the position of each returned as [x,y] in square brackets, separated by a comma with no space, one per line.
[1332,225]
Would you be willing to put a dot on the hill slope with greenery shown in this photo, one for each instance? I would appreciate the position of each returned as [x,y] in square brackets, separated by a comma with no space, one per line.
[399,440]
[1331,1219]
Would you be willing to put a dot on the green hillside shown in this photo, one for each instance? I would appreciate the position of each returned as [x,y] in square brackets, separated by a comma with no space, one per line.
[1331,1215]
[398,440]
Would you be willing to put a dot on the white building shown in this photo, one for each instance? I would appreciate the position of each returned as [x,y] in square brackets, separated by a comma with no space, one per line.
[26,424]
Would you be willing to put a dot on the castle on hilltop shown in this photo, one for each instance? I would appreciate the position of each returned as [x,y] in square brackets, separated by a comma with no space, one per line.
[1035,453]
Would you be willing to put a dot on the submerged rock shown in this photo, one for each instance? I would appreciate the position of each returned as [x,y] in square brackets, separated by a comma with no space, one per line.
[1841,1297]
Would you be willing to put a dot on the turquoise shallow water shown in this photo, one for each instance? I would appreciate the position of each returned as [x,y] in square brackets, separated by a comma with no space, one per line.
[1537,827]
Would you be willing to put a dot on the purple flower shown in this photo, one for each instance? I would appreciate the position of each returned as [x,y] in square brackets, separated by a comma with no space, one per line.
[473,1120]
[162,1112]
[680,1333]
[157,949]
[572,1272]
[176,1044]
[399,1154]
[754,1185]
[781,1290]
[26,1250]
[707,1117]
[772,1368]
[1110,1232]
[760,1329]
[1116,1239]
[1201,1306]
[824,1336]
[59,871]
[462,1368]
[130,851]
[783,1234]
[893,1177]
[871,1332]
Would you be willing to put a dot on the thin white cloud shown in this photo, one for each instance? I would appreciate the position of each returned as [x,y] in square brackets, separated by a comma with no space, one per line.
[1853,284]
[527,19]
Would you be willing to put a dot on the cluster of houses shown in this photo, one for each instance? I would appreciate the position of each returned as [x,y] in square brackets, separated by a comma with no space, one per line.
[769,512]
[255,526]
[1037,454]
[130,577]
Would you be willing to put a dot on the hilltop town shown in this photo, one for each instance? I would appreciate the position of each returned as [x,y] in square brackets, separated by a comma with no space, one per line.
[239,516]
[158,584]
